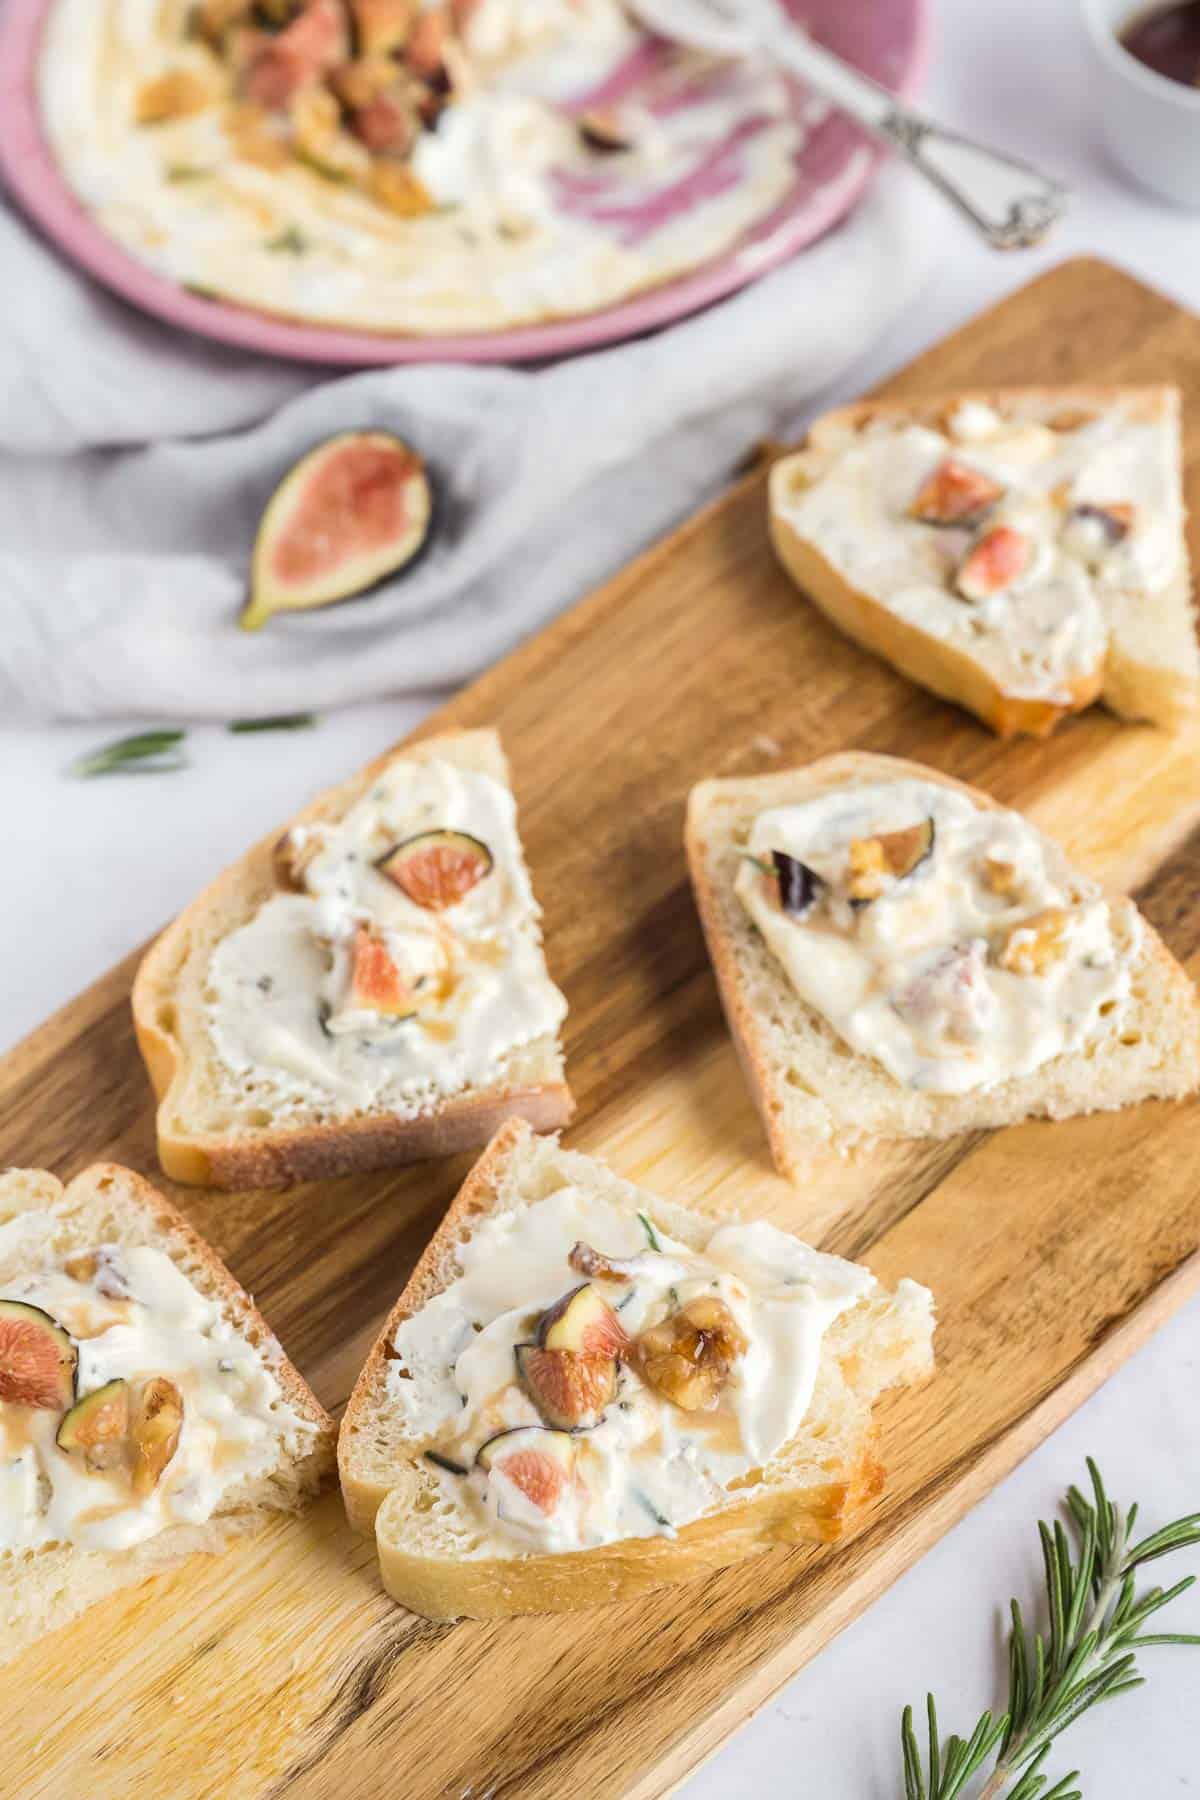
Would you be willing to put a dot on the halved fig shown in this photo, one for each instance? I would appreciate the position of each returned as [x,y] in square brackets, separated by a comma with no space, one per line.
[303,51]
[955,494]
[998,559]
[376,984]
[1033,945]
[570,1388]
[875,862]
[37,1358]
[583,1321]
[154,1433]
[353,511]
[437,869]
[540,1464]
[601,129]
[687,1356]
[98,1425]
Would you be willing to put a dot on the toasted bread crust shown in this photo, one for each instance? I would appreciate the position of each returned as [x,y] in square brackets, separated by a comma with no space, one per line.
[744,1024]
[1135,690]
[281,1156]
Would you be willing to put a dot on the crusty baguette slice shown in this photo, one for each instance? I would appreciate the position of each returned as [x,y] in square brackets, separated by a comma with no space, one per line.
[208,1139]
[814,1092]
[1152,669]
[42,1222]
[430,1554]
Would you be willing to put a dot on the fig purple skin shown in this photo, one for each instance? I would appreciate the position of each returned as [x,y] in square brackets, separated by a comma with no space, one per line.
[798,886]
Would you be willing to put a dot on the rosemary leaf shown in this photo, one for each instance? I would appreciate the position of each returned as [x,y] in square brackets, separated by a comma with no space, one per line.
[291,242]
[652,1237]
[1087,1656]
[180,172]
[146,753]
[280,722]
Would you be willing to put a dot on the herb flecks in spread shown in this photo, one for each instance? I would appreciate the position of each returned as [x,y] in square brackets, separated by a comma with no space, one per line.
[1007,539]
[127,1402]
[949,942]
[401,958]
[398,166]
[568,1413]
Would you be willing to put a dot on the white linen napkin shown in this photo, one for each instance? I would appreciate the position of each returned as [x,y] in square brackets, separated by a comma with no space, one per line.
[135,461]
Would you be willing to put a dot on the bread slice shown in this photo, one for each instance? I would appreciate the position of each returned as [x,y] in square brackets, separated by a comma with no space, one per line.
[1152,666]
[217,1131]
[813,1091]
[42,1223]
[432,1555]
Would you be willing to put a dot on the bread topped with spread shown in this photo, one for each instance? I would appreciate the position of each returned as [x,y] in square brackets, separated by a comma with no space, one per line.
[901,957]
[368,989]
[585,1391]
[1020,551]
[146,1409]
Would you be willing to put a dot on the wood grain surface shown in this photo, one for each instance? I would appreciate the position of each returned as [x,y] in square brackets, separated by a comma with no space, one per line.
[280,1671]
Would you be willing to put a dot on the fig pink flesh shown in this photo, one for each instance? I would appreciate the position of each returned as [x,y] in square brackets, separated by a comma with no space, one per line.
[354,502]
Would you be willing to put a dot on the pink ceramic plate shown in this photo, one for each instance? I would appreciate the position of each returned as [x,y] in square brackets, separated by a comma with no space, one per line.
[885,38]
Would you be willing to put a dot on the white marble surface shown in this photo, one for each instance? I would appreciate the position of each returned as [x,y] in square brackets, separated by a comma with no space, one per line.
[89,870]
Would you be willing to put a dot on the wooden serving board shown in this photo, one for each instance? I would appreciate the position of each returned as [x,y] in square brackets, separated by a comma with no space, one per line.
[280,1671]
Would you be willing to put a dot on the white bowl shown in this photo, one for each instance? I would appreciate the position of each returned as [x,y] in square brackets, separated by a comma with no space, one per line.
[1150,124]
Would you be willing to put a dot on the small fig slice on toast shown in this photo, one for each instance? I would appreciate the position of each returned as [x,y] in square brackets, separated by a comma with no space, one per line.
[539,1464]
[999,558]
[583,1321]
[955,494]
[376,984]
[437,869]
[37,1358]
[570,1388]
[98,1425]
[154,1433]
[875,862]
[355,510]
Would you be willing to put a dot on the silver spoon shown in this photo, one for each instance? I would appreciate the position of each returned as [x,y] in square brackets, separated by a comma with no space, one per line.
[1011,203]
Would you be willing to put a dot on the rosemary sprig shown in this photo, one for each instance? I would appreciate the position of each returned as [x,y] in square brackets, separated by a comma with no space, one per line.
[1087,1655]
[292,242]
[146,753]
[280,722]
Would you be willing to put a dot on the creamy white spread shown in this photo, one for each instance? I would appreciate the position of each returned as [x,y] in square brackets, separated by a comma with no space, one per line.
[138,1317]
[529,223]
[985,962]
[647,1467]
[1046,630]
[279,1015]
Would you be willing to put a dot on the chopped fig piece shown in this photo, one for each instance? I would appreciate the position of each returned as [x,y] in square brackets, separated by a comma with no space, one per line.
[155,1432]
[98,1425]
[999,876]
[955,495]
[359,82]
[353,511]
[388,125]
[601,129]
[688,1355]
[37,1358]
[583,1321]
[798,886]
[437,869]
[425,50]
[570,1388]
[539,1464]
[586,1261]
[1033,945]
[176,95]
[308,48]
[1102,526]
[291,857]
[383,26]
[395,187]
[998,559]
[376,984]
[875,862]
